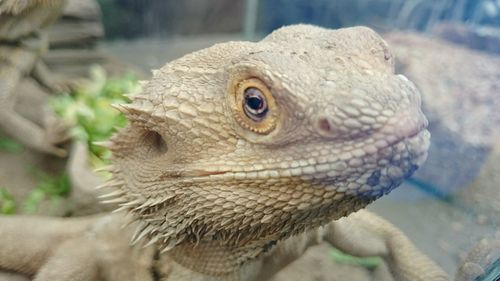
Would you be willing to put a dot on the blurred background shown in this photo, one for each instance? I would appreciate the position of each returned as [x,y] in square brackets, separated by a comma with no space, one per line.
[449,48]
[470,22]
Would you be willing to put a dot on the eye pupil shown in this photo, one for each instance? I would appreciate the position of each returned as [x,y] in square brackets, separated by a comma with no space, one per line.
[254,104]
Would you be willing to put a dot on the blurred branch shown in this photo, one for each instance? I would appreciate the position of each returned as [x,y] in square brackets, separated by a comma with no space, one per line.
[250,20]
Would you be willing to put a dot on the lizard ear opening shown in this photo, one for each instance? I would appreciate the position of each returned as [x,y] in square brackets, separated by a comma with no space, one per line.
[155,142]
[137,142]
[254,107]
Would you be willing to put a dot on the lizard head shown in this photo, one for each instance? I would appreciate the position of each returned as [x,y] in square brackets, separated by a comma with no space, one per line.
[249,142]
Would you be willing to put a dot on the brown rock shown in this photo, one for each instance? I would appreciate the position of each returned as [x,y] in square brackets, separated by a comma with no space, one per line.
[82,9]
[484,38]
[74,33]
[483,195]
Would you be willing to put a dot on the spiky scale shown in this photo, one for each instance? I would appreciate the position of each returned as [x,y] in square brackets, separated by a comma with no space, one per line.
[121,209]
[114,201]
[103,144]
[114,193]
[108,169]
[147,230]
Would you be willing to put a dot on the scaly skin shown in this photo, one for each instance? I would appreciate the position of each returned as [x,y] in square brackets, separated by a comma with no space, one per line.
[21,47]
[227,193]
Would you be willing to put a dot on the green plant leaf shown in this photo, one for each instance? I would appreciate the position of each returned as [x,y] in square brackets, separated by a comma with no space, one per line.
[10,145]
[7,203]
[52,188]
[367,262]
[88,112]
[32,202]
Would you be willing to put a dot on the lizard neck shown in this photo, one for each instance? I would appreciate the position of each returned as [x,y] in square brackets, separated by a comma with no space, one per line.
[223,258]
[215,258]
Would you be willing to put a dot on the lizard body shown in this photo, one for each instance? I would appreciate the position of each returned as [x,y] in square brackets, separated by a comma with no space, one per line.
[239,157]
[22,43]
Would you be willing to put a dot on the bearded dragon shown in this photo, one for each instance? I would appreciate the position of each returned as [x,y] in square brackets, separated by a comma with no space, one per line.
[22,44]
[238,158]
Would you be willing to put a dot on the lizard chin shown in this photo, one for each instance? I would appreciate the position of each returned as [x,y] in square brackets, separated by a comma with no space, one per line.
[396,162]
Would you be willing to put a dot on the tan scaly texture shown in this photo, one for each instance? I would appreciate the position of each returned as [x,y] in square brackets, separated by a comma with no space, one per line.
[228,188]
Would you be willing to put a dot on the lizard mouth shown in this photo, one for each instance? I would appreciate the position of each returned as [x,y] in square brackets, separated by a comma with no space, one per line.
[407,131]
[414,144]
[404,133]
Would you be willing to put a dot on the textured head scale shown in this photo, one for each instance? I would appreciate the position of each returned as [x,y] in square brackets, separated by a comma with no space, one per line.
[203,159]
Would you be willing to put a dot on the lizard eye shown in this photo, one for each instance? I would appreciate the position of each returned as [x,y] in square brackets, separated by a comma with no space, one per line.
[255,107]
[254,104]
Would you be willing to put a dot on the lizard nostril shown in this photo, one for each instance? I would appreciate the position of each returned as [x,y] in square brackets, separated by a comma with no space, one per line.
[324,125]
